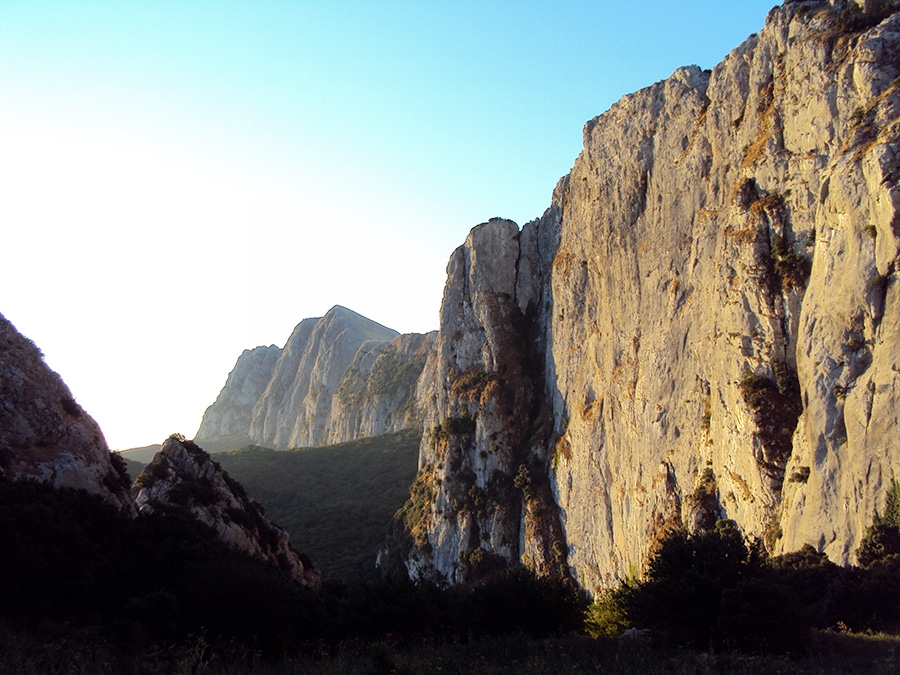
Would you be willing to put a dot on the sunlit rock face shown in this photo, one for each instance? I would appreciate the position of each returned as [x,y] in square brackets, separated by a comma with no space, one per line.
[703,325]
[339,378]
[487,425]
[184,479]
[45,435]
[295,409]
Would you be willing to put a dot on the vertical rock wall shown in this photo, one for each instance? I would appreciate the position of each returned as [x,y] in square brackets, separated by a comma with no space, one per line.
[487,424]
[713,317]
[377,393]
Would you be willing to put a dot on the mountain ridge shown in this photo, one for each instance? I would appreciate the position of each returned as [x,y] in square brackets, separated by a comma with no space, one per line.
[338,378]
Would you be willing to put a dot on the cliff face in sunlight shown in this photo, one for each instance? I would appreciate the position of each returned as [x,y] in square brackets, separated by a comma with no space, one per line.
[339,378]
[705,323]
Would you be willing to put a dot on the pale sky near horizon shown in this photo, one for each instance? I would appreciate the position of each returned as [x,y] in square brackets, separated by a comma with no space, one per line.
[183,180]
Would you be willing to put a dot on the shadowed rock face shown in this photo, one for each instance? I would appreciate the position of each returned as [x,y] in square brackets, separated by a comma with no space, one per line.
[183,478]
[339,378]
[232,412]
[486,419]
[45,434]
[703,325]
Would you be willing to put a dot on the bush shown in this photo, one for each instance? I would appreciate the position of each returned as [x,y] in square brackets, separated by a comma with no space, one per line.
[757,615]
[71,559]
[709,590]
[880,544]
[681,593]
[753,388]
[607,615]
[519,600]
[705,590]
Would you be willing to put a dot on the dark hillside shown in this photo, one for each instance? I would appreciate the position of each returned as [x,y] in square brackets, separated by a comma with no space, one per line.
[134,467]
[70,562]
[335,501]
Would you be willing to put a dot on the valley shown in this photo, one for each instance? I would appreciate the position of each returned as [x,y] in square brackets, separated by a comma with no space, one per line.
[657,424]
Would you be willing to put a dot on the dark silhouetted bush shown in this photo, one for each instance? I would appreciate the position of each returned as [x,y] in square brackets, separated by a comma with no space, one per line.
[880,542]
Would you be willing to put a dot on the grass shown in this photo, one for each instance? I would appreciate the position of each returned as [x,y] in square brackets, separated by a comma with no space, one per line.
[830,653]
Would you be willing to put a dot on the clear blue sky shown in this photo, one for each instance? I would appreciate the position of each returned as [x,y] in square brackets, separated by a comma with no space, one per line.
[183,180]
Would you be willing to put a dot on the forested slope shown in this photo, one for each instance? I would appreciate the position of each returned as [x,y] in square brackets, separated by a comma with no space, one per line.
[338,500]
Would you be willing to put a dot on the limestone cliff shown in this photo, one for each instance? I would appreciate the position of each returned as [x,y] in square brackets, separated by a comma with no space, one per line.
[232,411]
[183,478]
[487,424]
[338,378]
[702,325]
[45,434]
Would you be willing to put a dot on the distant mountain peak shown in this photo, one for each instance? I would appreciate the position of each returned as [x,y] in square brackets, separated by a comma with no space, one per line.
[314,391]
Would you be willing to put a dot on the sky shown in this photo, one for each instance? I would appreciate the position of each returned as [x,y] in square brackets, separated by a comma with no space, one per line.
[182,180]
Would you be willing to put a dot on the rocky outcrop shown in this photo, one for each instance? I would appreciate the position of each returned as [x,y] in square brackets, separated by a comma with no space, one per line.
[183,478]
[703,324]
[339,378]
[232,412]
[45,435]
[486,418]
